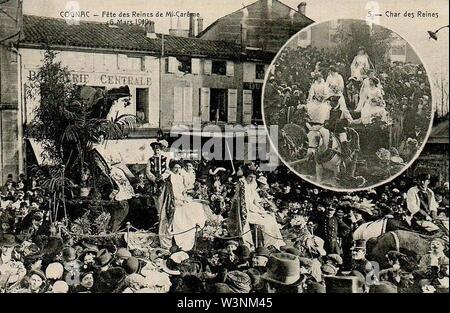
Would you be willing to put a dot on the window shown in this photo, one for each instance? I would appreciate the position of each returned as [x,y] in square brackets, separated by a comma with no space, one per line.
[185,65]
[260,71]
[219,67]
[218,107]
[142,104]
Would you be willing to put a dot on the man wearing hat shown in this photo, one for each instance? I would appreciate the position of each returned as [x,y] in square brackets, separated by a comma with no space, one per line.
[11,270]
[109,279]
[283,274]
[36,282]
[157,164]
[156,172]
[330,229]
[72,266]
[260,258]
[360,265]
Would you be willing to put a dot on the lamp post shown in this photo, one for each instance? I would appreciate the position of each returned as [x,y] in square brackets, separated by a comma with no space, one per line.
[434,34]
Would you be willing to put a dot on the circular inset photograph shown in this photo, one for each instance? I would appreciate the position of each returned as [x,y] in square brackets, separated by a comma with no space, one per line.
[352,104]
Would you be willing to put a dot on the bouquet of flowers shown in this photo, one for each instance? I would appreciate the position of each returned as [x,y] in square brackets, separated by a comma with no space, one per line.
[214,228]
[298,221]
[384,154]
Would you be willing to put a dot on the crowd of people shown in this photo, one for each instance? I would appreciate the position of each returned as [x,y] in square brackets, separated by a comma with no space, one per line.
[223,229]
[387,104]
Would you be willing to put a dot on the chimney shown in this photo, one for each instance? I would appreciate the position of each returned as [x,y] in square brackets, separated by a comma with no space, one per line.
[269,8]
[243,36]
[192,25]
[199,25]
[150,29]
[302,8]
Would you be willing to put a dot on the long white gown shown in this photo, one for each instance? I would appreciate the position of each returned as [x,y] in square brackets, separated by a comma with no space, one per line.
[368,109]
[359,65]
[257,215]
[317,107]
[187,215]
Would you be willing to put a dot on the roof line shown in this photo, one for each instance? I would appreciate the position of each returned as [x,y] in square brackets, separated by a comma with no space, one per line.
[246,6]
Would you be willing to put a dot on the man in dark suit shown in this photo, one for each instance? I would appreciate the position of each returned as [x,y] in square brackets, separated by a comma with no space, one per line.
[330,229]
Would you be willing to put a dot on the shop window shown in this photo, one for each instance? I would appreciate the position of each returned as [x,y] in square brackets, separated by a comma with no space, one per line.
[260,71]
[142,104]
[219,67]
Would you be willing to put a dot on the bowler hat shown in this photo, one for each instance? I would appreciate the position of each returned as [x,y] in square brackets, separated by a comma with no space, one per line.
[69,254]
[104,257]
[131,265]
[38,273]
[283,269]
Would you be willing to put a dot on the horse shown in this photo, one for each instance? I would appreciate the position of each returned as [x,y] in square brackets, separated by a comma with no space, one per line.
[328,155]
[410,243]
[375,229]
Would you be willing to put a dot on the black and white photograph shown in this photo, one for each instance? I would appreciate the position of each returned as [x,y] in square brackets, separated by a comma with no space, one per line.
[243,148]
[352,113]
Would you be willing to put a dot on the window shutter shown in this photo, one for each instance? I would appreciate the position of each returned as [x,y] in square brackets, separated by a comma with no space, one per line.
[187,104]
[173,65]
[177,104]
[230,68]
[195,66]
[208,67]
[232,105]
[247,106]
[249,72]
[204,104]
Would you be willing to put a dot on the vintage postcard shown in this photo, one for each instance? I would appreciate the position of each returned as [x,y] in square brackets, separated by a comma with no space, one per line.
[233,146]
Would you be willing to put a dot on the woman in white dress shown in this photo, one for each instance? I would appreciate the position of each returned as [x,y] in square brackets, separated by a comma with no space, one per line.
[257,215]
[372,104]
[360,65]
[335,84]
[188,213]
[317,106]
